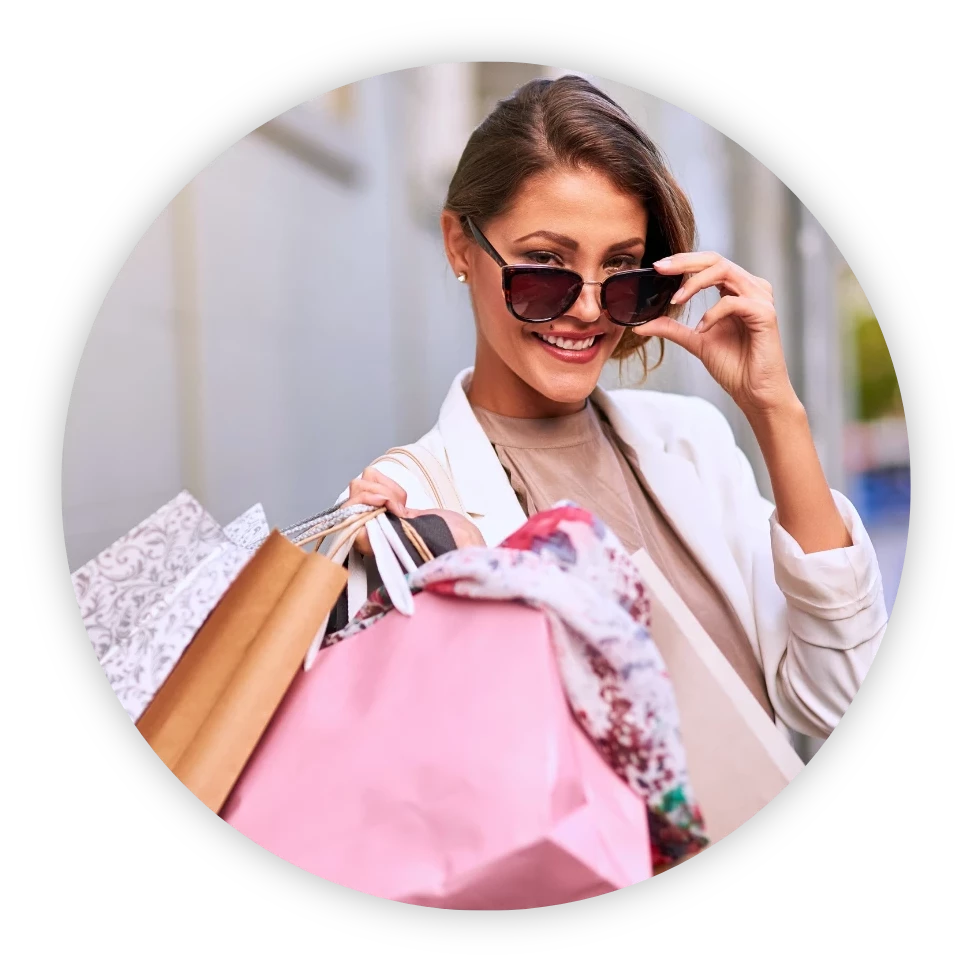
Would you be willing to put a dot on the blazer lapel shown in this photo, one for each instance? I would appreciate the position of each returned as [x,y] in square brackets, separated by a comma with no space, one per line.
[675,486]
[478,475]
[489,499]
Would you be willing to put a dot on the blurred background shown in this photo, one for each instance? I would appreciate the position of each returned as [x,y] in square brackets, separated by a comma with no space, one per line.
[230,356]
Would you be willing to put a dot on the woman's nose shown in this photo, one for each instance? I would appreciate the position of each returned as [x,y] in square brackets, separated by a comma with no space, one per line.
[587,308]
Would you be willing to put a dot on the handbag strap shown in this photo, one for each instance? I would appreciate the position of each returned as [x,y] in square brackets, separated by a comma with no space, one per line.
[422,464]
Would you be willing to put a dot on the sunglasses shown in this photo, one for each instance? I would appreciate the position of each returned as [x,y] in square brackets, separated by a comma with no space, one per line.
[537,294]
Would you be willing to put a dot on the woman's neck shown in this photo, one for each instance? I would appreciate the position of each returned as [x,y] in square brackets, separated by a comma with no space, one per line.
[496,388]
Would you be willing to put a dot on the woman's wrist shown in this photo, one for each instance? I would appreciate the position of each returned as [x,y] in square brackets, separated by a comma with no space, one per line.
[779,421]
[805,507]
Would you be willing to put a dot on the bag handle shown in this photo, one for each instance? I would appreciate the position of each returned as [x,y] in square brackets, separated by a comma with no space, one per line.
[390,557]
[349,520]
[344,534]
[421,463]
[355,516]
[323,524]
[417,541]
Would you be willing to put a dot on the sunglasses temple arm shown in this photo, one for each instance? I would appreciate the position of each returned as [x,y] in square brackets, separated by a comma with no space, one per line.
[483,242]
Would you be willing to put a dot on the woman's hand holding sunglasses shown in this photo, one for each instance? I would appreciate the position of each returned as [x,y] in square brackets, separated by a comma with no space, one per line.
[737,339]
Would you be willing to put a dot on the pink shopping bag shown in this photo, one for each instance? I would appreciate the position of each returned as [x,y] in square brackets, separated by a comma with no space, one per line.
[434,760]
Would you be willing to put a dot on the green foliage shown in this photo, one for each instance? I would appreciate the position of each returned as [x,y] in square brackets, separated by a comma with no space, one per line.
[877,384]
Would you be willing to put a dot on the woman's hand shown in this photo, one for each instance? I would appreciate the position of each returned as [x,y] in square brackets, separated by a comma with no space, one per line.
[737,339]
[739,343]
[464,532]
[375,489]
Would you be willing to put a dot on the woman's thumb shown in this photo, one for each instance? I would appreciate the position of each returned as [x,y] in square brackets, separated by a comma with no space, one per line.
[671,330]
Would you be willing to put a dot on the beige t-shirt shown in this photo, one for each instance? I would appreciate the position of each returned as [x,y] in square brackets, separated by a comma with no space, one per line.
[580,458]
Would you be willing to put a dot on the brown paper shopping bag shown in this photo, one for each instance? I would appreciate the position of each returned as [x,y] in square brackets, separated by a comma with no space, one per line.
[210,713]
[737,758]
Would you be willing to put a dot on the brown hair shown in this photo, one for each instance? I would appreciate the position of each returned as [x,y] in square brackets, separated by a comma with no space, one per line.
[567,121]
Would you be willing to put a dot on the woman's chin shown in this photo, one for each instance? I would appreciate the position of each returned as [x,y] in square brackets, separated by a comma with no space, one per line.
[566,376]
[567,385]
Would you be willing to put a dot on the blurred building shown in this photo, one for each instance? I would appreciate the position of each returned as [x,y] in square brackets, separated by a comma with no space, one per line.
[291,313]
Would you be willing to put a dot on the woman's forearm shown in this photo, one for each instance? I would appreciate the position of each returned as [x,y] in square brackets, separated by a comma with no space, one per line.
[805,507]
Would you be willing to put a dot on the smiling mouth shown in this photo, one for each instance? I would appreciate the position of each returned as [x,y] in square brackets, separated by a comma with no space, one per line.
[568,344]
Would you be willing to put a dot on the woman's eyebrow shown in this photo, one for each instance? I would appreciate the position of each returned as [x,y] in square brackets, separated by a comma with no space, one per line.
[568,244]
[564,241]
[625,244]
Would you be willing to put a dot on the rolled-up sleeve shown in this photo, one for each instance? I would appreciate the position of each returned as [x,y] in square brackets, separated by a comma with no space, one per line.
[816,619]
[836,616]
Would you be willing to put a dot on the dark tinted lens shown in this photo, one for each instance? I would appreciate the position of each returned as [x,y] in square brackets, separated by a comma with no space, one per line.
[542,294]
[636,296]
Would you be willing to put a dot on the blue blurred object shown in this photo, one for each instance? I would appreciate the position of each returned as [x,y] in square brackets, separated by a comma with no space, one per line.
[882,495]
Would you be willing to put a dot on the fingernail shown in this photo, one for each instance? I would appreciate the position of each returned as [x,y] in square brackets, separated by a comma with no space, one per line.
[665,262]
[678,296]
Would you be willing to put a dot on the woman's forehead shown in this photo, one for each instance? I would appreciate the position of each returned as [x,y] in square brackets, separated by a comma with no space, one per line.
[572,202]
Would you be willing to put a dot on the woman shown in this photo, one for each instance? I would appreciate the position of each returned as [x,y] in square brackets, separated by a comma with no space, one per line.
[558,177]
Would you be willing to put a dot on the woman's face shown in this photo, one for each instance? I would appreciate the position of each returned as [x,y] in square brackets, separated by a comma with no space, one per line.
[574,218]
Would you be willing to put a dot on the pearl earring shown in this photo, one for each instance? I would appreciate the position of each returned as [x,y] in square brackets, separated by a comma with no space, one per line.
[461,278]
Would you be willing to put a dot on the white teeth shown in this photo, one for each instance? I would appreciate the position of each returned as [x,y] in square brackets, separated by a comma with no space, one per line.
[568,345]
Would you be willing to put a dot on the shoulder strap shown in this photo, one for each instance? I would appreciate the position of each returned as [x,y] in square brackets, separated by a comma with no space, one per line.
[421,463]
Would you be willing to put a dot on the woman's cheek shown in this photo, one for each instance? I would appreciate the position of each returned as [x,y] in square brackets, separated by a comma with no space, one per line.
[611,341]
[500,324]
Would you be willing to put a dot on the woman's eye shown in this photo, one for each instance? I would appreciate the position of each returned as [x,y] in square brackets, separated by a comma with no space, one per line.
[622,262]
[542,256]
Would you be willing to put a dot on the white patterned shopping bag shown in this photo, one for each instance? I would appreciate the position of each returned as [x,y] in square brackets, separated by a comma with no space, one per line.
[143,599]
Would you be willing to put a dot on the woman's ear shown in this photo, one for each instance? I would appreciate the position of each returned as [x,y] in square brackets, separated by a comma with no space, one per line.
[455,241]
